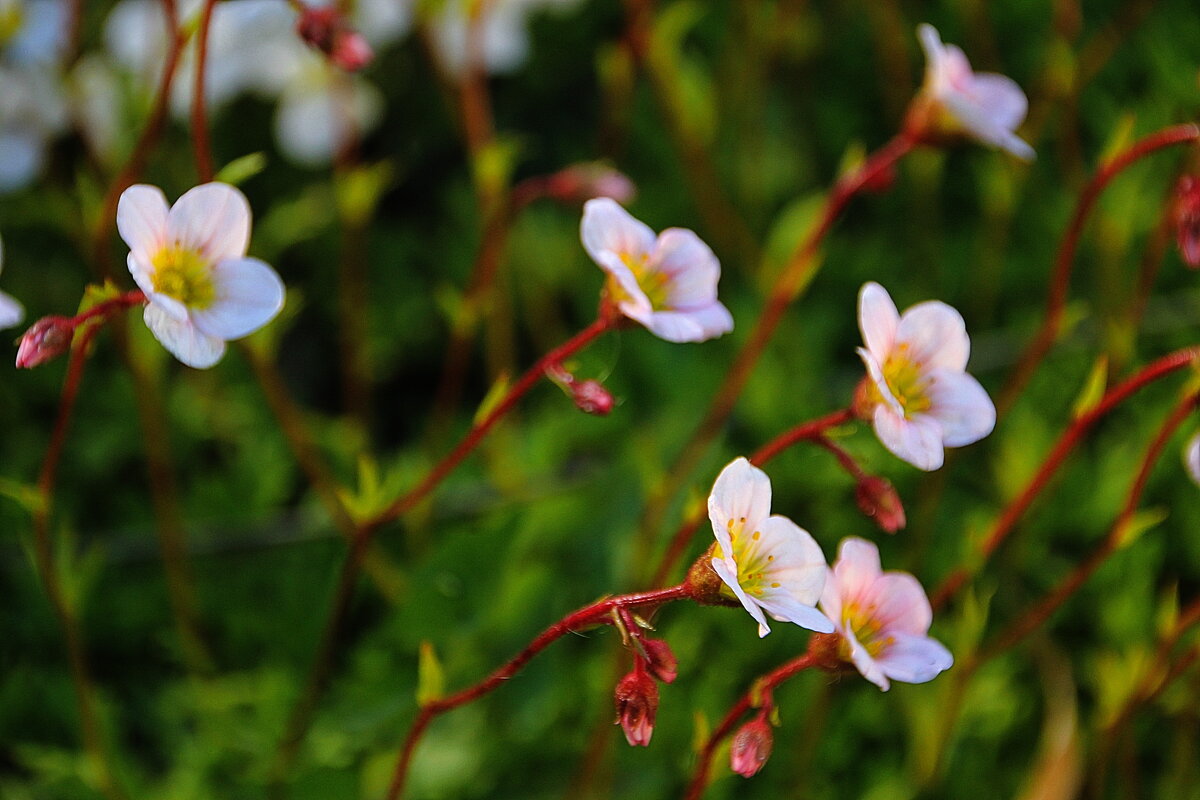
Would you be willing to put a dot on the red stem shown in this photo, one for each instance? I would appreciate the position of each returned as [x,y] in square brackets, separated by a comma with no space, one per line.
[1072,583]
[200,141]
[1056,300]
[812,430]
[762,690]
[594,614]
[1066,442]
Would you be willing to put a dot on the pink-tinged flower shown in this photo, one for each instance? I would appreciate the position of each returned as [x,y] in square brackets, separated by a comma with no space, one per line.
[955,100]
[918,395]
[579,183]
[667,283]
[882,619]
[190,260]
[11,311]
[769,563]
[1191,457]
[751,747]
[1187,219]
[637,702]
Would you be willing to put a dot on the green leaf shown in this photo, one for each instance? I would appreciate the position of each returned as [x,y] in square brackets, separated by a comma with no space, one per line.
[28,497]
[493,398]
[431,678]
[1093,388]
[359,191]
[1139,523]
[242,169]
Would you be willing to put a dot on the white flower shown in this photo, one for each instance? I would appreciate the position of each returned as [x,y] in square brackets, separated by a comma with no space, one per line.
[1192,458]
[984,105]
[11,311]
[668,283]
[918,395]
[501,32]
[190,260]
[766,561]
[33,31]
[32,113]
[883,618]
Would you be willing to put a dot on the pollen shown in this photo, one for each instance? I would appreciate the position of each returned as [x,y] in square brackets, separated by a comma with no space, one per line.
[185,275]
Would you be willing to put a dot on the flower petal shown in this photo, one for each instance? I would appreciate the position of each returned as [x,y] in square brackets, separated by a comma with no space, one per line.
[11,311]
[862,660]
[1192,458]
[687,326]
[727,571]
[878,320]
[935,53]
[875,373]
[961,406]
[1000,98]
[796,564]
[213,219]
[606,227]
[855,572]
[914,659]
[935,334]
[692,265]
[182,339]
[249,295]
[741,493]
[142,221]
[898,603]
[917,441]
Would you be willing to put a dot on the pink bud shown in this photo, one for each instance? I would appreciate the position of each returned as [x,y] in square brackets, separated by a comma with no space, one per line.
[1187,219]
[878,500]
[637,703]
[351,51]
[323,28]
[660,660]
[578,183]
[751,747]
[46,339]
[592,398]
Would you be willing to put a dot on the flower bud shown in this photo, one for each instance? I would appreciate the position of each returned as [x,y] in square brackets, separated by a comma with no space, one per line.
[1187,219]
[592,398]
[877,499]
[46,339]
[660,660]
[751,747]
[351,51]
[323,28]
[578,183]
[637,703]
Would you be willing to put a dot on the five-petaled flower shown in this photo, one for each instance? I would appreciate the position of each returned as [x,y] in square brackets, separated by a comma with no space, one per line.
[190,261]
[882,619]
[917,394]
[1191,457]
[955,100]
[769,563]
[11,311]
[667,283]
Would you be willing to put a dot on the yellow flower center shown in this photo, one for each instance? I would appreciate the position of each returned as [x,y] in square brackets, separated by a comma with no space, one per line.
[752,562]
[861,621]
[185,275]
[654,285]
[907,382]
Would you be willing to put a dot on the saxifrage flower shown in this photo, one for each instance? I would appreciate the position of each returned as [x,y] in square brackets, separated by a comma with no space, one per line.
[769,563]
[882,619]
[190,261]
[918,395]
[668,283]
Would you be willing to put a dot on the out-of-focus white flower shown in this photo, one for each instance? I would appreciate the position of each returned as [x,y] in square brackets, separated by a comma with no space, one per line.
[11,311]
[1191,457]
[33,31]
[500,43]
[667,283]
[882,618]
[322,110]
[984,105]
[190,261]
[32,113]
[769,563]
[917,394]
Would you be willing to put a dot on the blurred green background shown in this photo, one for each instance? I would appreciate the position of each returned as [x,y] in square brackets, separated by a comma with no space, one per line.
[771,97]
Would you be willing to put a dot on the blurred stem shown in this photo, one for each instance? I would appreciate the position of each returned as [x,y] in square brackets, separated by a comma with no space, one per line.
[1038,614]
[1074,433]
[600,613]
[1056,299]
[354,302]
[813,431]
[85,693]
[200,141]
[758,697]
[792,280]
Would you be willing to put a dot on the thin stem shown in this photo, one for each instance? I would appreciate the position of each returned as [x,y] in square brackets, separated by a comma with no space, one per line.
[85,694]
[200,140]
[1056,299]
[760,695]
[791,281]
[1066,443]
[1037,615]
[597,613]
[813,430]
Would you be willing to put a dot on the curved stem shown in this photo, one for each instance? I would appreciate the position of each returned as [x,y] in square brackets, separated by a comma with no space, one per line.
[597,613]
[1056,300]
[791,281]
[1066,443]
[1038,614]
[760,694]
